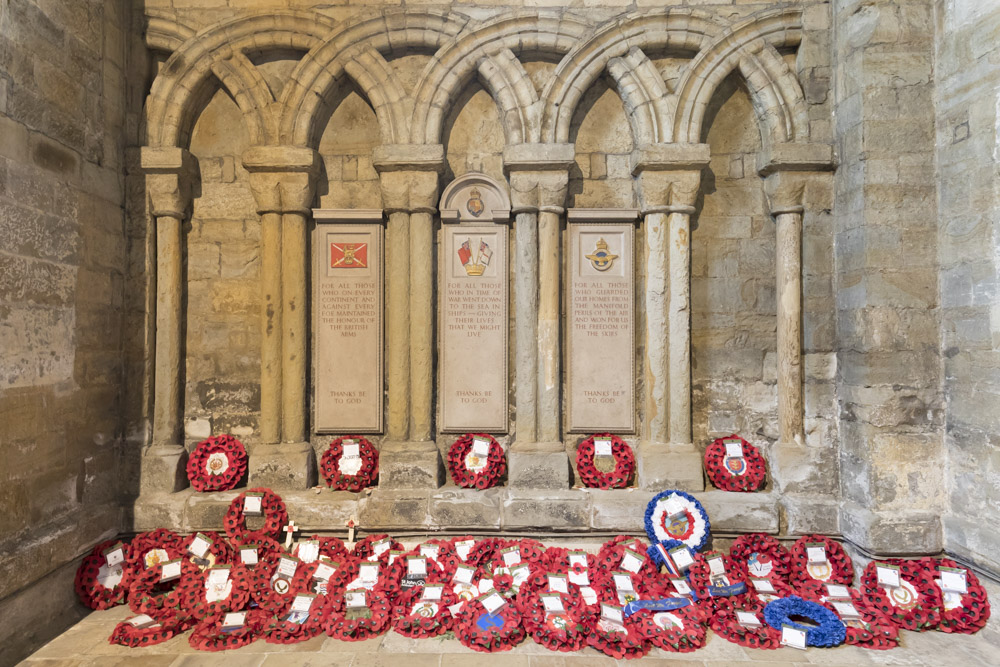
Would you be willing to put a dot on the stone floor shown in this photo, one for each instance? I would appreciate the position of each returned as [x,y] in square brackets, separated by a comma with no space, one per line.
[86,643]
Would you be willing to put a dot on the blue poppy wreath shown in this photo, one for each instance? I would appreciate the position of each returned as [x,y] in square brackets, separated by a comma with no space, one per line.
[829,631]
[675,515]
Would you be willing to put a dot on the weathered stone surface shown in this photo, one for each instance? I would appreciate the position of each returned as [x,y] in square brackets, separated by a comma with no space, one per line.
[805,515]
[284,466]
[538,466]
[467,509]
[741,512]
[662,466]
[395,509]
[622,510]
[164,469]
[546,510]
[410,465]
[892,533]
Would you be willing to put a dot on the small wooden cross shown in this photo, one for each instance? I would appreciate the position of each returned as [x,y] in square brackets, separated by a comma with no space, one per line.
[351,524]
[289,532]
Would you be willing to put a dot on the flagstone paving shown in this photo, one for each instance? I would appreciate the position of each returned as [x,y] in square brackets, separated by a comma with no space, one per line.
[86,644]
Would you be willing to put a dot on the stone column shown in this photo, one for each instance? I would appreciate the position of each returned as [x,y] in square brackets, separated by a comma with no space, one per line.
[668,178]
[408,176]
[539,176]
[169,174]
[282,179]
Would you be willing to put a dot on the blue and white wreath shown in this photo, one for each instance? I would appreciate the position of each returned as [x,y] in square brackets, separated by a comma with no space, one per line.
[830,630]
[675,515]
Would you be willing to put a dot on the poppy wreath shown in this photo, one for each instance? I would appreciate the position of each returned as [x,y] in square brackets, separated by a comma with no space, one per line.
[760,556]
[391,582]
[280,631]
[873,631]
[304,579]
[194,598]
[488,633]
[126,634]
[678,630]
[217,464]
[675,515]
[329,465]
[612,553]
[627,645]
[495,469]
[725,623]
[915,604]
[91,592]
[148,595]
[275,517]
[963,613]
[829,630]
[447,560]
[219,552]
[422,624]
[746,476]
[530,552]
[700,577]
[264,594]
[484,550]
[209,636]
[148,549]
[451,557]
[268,550]
[782,589]
[365,548]
[337,625]
[838,570]
[593,478]
[565,632]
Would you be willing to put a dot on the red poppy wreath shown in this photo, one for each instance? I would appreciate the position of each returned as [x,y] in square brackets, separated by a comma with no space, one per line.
[480,630]
[357,614]
[961,612]
[272,508]
[732,470]
[612,451]
[211,634]
[677,630]
[476,460]
[820,558]
[915,604]
[146,631]
[102,580]
[217,464]
[349,464]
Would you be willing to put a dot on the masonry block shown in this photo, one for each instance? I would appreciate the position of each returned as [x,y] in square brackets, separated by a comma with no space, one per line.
[395,509]
[546,510]
[618,509]
[466,509]
[892,533]
[741,512]
[284,466]
[164,469]
[410,465]
[538,466]
[662,466]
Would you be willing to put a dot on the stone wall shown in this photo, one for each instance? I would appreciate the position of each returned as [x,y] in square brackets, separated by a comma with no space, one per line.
[968,154]
[62,292]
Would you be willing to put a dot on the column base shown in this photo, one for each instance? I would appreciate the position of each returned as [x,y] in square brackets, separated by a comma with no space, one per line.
[798,469]
[410,465]
[892,533]
[289,465]
[665,466]
[164,469]
[538,465]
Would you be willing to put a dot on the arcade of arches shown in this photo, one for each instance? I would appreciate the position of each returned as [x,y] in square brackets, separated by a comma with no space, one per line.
[811,187]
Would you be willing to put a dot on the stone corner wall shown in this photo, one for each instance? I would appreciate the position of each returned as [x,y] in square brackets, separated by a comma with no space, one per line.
[62,292]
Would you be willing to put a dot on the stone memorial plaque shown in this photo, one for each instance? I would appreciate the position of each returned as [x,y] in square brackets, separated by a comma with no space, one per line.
[600,305]
[473,328]
[348,311]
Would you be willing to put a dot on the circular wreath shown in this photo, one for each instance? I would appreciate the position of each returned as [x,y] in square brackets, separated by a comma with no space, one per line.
[593,478]
[618,644]
[91,592]
[677,630]
[963,613]
[275,517]
[280,631]
[417,618]
[217,464]
[148,595]
[167,625]
[692,528]
[219,552]
[209,636]
[481,631]
[915,604]
[365,548]
[564,631]
[194,593]
[760,556]
[147,549]
[329,465]
[829,630]
[874,630]
[731,474]
[837,570]
[724,622]
[495,468]
[337,625]
[268,550]
[702,583]
[610,557]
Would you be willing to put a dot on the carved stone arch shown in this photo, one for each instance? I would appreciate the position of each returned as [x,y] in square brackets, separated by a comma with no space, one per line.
[535,31]
[492,195]
[188,75]
[748,46]
[165,32]
[349,51]
[643,93]
[511,88]
[678,29]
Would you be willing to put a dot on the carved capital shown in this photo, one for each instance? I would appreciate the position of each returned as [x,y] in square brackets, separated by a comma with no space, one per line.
[282,178]
[409,191]
[786,191]
[795,157]
[668,176]
[170,173]
[538,191]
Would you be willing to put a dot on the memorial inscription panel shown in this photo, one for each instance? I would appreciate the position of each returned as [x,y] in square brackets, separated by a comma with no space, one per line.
[601,328]
[473,328]
[348,306]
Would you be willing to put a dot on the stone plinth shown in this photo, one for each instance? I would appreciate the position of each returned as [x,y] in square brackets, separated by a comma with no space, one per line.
[410,465]
[538,465]
[284,466]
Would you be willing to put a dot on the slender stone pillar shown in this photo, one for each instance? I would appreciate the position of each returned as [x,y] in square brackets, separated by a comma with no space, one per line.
[282,179]
[408,175]
[668,178]
[169,173]
[539,177]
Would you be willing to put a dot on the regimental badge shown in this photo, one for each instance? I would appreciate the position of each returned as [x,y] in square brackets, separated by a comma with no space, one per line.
[348,255]
[903,596]
[760,565]
[425,610]
[280,585]
[665,621]
[475,205]
[736,465]
[155,557]
[558,622]
[679,526]
[475,266]
[821,571]
[601,259]
[217,463]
